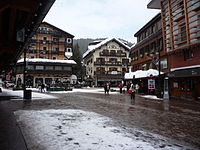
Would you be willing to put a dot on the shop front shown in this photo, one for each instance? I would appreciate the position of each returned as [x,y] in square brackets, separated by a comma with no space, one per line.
[114,80]
[185,83]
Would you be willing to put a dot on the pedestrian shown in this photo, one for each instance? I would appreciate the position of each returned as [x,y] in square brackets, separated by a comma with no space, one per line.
[132,88]
[137,88]
[42,87]
[106,88]
[120,87]
[128,86]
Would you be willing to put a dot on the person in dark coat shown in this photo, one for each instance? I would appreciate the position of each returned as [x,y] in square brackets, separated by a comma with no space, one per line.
[42,87]
[106,88]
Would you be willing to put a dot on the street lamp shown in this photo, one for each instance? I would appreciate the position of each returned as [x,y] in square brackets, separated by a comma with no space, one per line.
[157,62]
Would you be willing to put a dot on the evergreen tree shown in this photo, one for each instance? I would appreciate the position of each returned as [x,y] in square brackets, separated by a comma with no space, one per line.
[77,57]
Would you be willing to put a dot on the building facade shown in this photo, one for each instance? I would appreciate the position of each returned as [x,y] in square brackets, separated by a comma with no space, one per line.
[181,36]
[149,54]
[148,51]
[106,61]
[48,57]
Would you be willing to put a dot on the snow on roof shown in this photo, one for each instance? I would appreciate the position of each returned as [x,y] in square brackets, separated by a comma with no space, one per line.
[47,60]
[93,47]
[141,74]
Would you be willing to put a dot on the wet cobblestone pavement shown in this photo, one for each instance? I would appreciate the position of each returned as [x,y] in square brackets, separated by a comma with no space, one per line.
[175,119]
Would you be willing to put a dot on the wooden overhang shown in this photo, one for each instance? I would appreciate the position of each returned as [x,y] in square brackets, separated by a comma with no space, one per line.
[19,19]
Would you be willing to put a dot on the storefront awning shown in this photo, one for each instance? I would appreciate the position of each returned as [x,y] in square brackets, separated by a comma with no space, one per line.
[141,74]
[189,72]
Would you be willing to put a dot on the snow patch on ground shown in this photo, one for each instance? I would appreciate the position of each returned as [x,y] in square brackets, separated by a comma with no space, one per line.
[80,130]
[151,97]
[18,95]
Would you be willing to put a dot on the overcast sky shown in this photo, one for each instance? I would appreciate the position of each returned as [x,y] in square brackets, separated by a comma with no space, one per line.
[100,18]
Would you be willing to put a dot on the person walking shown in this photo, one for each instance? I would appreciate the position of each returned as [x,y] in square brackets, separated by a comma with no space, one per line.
[106,88]
[120,87]
[42,87]
[132,88]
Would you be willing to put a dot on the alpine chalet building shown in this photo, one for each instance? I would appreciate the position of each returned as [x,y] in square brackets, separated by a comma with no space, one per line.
[106,61]
[47,58]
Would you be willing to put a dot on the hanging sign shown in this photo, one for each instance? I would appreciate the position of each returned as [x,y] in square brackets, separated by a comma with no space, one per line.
[151,84]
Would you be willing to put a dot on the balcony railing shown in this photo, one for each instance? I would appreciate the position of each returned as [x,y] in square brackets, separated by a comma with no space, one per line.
[58,34]
[112,54]
[108,73]
[107,63]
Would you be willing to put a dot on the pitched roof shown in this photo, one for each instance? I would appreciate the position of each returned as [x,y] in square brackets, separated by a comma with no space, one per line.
[91,48]
[58,29]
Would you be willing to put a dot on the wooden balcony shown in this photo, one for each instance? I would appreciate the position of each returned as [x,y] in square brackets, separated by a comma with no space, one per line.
[107,63]
[112,54]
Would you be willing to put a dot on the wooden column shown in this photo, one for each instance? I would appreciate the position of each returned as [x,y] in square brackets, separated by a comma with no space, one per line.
[171,25]
[186,22]
[163,27]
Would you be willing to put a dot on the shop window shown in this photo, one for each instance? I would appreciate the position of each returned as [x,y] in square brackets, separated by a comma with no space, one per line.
[49,68]
[30,67]
[58,67]
[39,67]
[189,85]
[67,68]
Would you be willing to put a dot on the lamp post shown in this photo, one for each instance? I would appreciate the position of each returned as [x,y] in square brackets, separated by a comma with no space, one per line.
[156,61]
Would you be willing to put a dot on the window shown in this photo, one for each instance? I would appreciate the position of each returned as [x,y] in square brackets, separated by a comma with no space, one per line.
[39,67]
[183,33]
[163,64]
[69,49]
[189,85]
[55,39]
[113,47]
[188,54]
[44,48]
[54,57]
[30,67]
[55,49]
[32,57]
[49,68]
[69,40]
[125,61]
[113,60]
[58,67]
[44,38]
[112,69]
[33,37]
[43,57]
[67,68]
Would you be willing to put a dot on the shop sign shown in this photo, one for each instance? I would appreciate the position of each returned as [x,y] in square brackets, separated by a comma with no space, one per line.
[151,84]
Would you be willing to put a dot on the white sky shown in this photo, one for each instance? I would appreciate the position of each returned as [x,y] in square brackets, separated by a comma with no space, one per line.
[100,18]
